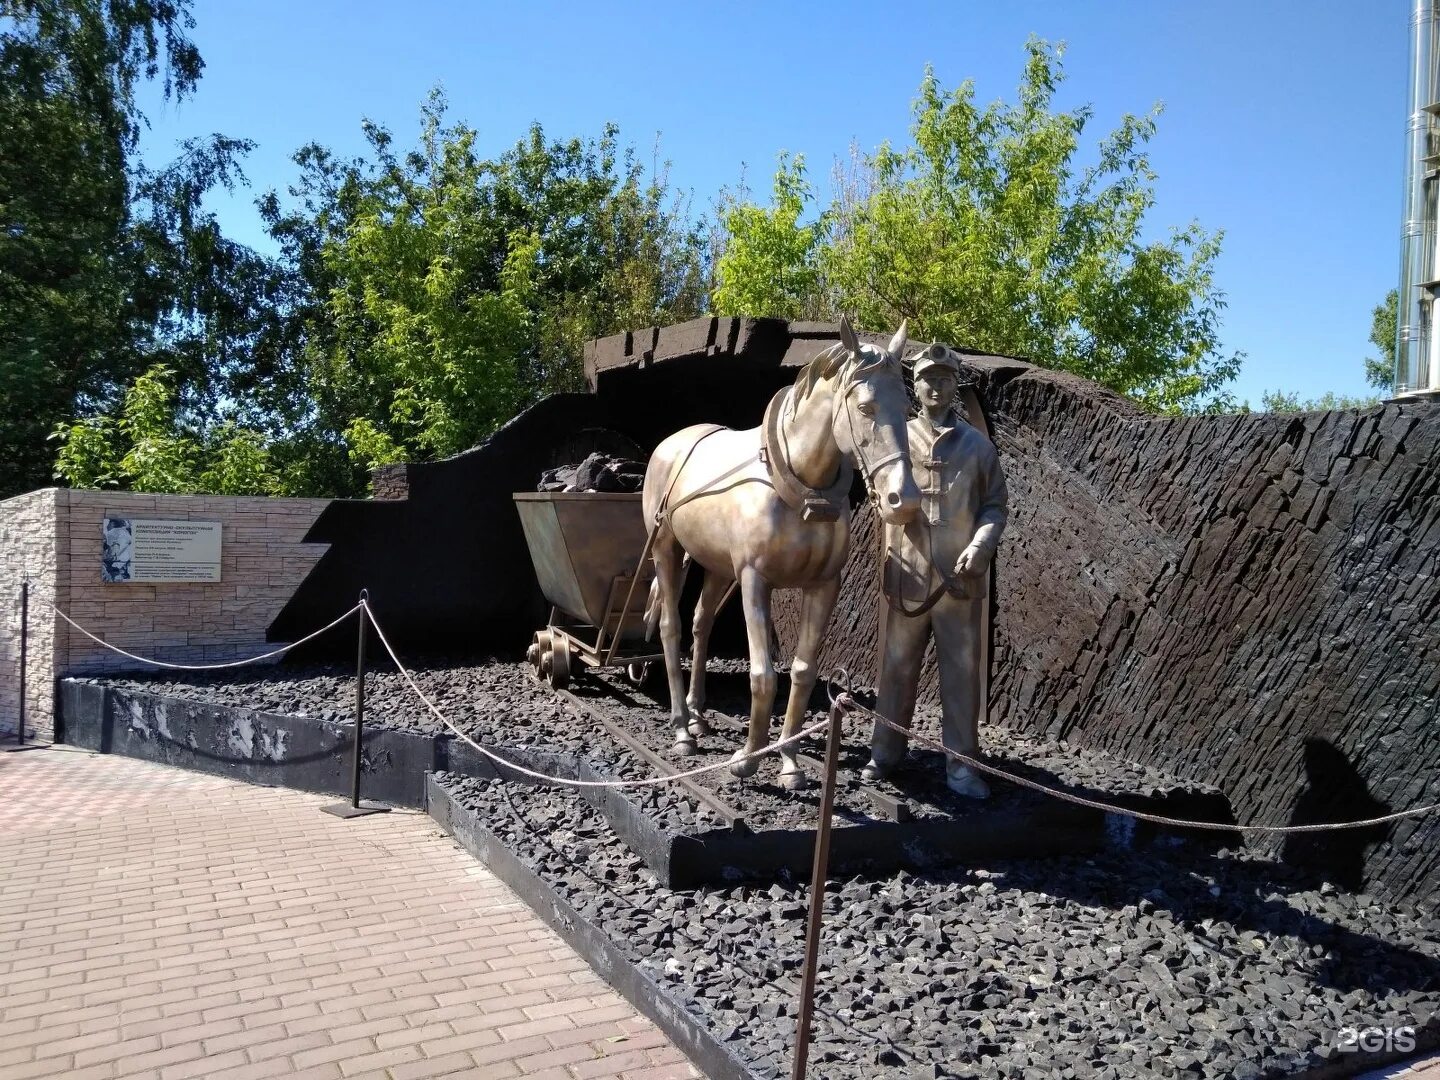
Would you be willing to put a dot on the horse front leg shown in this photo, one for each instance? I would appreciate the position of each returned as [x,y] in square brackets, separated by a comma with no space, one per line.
[755,595]
[818,605]
[668,572]
[712,594]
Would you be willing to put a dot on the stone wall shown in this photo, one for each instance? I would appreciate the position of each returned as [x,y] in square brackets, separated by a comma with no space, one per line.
[1247,600]
[29,537]
[55,536]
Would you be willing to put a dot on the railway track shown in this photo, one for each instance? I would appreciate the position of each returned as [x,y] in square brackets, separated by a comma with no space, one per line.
[892,807]
[731,815]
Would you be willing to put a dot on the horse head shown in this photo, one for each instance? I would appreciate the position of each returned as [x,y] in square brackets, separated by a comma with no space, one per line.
[869,411]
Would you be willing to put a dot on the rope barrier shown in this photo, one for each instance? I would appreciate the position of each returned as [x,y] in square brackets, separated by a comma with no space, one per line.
[844,701]
[201,667]
[566,781]
[1110,808]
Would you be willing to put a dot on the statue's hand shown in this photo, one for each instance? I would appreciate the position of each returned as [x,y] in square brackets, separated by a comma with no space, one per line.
[973,561]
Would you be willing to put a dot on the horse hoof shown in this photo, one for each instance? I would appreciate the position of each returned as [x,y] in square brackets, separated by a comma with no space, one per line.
[872,772]
[742,766]
[968,785]
[699,728]
[795,781]
[686,748]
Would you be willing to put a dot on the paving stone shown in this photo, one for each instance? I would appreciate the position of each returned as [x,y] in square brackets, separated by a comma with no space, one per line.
[113,877]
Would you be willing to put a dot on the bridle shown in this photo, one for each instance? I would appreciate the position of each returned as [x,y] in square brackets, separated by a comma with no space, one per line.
[813,503]
[868,468]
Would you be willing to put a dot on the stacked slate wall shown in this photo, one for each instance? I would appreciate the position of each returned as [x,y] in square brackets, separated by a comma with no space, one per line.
[1249,600]
[1246,600]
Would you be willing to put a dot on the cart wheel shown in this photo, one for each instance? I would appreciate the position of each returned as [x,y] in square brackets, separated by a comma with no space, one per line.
[535,654]
[559,666]
[638,672]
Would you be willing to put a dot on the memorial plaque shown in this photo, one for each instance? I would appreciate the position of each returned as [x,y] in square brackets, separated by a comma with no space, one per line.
[145,550]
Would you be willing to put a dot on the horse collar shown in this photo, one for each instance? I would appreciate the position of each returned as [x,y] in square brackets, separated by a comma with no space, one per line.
[813,504]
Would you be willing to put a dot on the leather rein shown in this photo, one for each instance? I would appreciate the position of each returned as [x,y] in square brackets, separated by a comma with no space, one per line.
[948,583]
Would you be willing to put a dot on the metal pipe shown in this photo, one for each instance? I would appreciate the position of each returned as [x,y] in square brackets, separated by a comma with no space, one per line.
[1414,370]
[353,809]
[24,649]
[817,896]
[359,706]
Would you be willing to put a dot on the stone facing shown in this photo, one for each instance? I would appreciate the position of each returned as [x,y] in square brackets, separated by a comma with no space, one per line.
[54,536]
[31,541]
[1244,600]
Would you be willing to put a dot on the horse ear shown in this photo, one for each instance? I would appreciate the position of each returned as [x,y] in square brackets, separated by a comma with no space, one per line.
[847,336]
[897,343]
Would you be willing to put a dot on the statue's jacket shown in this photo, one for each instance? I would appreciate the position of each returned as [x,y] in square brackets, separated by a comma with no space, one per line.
[962,500]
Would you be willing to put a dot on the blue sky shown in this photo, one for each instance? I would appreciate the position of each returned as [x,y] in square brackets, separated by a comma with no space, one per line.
[1283,125]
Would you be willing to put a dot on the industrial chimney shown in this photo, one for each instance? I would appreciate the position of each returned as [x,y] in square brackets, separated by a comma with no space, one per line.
[1417,365]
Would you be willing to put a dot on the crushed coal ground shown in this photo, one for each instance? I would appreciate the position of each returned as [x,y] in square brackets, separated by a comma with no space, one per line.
[499,703]
[1165,960]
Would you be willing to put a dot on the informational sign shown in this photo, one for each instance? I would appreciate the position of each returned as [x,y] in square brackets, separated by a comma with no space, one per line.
[143,550]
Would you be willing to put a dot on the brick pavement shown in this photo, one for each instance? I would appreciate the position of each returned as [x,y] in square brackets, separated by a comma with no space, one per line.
[1425,1067]
[165,924]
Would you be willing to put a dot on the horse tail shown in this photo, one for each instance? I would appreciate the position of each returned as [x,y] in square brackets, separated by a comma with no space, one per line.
[652,604]
[652,609]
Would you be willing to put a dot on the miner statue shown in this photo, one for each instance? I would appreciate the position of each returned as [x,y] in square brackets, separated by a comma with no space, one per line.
[935,576]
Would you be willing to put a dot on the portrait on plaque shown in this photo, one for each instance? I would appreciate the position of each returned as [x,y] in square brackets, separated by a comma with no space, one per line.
[141,550]
[117,549]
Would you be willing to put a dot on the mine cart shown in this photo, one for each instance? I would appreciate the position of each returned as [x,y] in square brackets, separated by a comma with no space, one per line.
[587,547]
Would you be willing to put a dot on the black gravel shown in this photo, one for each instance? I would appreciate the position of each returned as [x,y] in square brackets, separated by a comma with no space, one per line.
[1168,963]
[1164,961]
[500,704]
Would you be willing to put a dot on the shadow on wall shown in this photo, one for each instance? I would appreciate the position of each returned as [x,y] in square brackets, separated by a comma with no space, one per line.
[446,563]
[1334,791]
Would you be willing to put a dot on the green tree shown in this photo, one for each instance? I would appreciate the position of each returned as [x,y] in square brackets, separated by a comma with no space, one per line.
[1277,401]
[986,233]
[771,260]
[433,294]
[1384,328]
[147,447]
[69,70]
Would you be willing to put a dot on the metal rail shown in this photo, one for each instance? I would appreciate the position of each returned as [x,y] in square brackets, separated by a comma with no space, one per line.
[892,806]
[732,817]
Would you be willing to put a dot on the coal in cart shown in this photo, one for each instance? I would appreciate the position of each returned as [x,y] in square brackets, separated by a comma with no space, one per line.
[587,548]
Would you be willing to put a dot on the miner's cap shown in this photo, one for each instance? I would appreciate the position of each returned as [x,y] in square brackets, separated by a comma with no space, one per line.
[937,356]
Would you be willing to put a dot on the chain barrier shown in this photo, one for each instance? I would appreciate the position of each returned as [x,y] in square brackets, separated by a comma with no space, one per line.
[201,667]
[851,705]
[648,781]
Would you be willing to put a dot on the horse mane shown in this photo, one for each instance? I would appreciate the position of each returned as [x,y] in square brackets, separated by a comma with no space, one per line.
[830,362]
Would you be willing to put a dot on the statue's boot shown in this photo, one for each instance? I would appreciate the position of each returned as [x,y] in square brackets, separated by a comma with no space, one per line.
[965,781]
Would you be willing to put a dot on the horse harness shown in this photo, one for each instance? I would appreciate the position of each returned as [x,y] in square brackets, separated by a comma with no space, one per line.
[813,504]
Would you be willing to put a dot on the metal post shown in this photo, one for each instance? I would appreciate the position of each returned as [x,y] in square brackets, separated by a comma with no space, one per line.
[359,709]
[20,743]
[25,645]
[817,896]
[24,655]
[353,808]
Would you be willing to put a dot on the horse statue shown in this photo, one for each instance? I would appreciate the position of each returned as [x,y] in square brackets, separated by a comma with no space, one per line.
[769,508]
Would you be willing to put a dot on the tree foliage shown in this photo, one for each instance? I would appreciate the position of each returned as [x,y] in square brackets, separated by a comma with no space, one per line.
[771,261]
[987,232]
[147,448]
[69,312]
[420,299]
[1278,401]
[433,294]
[1384,329]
